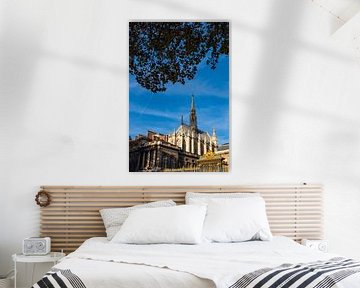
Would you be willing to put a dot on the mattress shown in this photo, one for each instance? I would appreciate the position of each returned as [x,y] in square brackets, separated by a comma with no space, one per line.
[99,263]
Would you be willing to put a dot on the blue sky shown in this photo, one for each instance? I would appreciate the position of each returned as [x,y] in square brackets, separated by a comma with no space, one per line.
[161,112]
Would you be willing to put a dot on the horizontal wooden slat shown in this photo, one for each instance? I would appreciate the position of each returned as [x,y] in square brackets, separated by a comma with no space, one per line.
[50,232]
[279,219]
[72,226]
[113,198]
[73,216]
[187,188]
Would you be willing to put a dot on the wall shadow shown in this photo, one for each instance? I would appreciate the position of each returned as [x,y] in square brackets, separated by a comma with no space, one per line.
[268,94]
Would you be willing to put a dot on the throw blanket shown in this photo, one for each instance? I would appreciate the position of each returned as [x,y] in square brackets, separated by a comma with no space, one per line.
[319,274]
[59,278]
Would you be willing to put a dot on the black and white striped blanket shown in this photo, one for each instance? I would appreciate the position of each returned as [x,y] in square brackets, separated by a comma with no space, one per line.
[320,274]
[59,278]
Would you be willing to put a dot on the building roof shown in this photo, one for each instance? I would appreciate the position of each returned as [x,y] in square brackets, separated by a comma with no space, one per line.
[187,127]
[223,147]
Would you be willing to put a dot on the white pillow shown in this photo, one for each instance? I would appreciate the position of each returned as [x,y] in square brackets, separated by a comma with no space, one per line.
[180,224]
[204,198]
[236,220]
[113,218]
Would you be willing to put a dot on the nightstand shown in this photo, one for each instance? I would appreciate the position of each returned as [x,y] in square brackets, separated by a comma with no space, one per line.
[53,257]
[320,245]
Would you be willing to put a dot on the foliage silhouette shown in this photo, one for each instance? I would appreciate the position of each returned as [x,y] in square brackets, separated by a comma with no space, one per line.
[169,52]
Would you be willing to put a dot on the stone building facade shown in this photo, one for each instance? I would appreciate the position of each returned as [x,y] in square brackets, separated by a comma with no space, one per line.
[190,138]
[177,151]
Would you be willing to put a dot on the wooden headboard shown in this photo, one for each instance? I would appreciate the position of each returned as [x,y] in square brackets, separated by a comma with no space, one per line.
[73,215]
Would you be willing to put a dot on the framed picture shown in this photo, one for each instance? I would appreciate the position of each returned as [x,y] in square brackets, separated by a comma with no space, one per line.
[179,97]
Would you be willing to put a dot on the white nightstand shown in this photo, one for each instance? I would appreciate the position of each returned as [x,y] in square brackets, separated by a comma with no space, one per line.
[320,245]
[53,257]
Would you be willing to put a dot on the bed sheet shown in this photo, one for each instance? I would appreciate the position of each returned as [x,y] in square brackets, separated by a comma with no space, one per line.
[112,274]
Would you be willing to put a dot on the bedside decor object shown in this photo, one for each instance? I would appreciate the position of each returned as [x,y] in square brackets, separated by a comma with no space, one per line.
[42,198]
[320,245]
[52,257]
[36,246]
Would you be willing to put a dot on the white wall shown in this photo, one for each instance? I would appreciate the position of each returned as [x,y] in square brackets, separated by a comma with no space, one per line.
[64,104]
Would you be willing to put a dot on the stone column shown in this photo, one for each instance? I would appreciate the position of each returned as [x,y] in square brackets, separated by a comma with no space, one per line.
[192,143]
[158,158]
[143,160]
[199,145]
[148,159]
[187,143]
[137,168]
[154,159]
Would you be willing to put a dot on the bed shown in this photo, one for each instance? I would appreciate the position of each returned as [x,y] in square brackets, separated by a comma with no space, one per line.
[99,263]
[294,212]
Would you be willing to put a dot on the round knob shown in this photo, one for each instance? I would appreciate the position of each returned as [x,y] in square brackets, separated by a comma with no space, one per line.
[40,245]
[322,247]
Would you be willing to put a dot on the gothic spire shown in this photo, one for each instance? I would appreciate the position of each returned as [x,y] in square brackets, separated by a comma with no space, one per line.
[214,132]
[192,102]
[193,118]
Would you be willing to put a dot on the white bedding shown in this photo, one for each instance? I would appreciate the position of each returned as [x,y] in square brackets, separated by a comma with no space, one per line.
[100,263]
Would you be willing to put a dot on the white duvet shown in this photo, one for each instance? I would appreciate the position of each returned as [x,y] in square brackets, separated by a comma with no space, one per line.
[100,263]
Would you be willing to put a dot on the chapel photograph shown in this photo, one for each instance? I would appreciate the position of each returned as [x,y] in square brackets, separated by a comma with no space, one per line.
[179,97]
